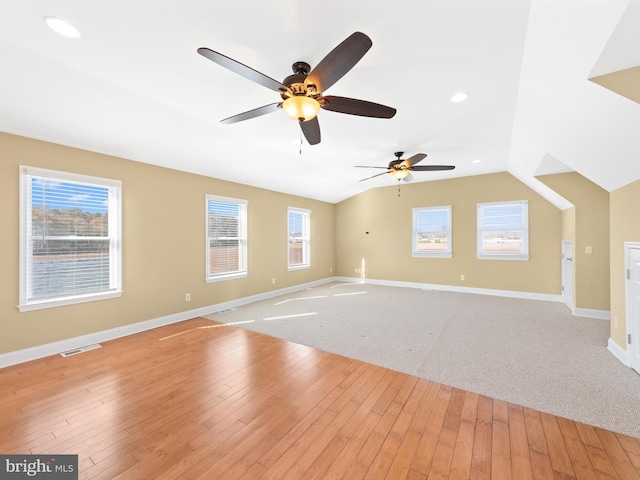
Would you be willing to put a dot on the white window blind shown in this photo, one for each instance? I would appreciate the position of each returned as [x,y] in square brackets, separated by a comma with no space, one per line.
[432,232]
[503,230]
[226,251]
[299,237]
[70,238]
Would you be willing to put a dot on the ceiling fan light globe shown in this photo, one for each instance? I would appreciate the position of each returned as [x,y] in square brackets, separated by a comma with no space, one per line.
[399,174]
[301,107]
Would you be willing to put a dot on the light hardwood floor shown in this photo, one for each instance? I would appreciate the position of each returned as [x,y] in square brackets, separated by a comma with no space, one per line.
[201,400]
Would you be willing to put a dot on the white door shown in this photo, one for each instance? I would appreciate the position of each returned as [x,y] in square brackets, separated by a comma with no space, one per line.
[567,273]
[633,305]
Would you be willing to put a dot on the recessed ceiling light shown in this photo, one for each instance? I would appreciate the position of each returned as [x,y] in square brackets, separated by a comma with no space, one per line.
[459,97]
[476,160]
[61,27]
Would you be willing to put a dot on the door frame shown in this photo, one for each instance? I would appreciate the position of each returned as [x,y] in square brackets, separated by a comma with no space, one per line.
[572,274]
[630,321]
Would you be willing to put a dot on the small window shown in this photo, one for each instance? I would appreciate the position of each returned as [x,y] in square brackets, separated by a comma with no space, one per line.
[226,251]
[299,237]
[70,238]
[503,230]
[432,232]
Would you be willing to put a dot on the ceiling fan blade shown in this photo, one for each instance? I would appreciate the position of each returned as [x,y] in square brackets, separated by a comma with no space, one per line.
[311,130]
[430,168]
[353,106]
[411,161]
[242,70]
[368,166]
[373,176]
[339,61]
[256,112]
[408,178]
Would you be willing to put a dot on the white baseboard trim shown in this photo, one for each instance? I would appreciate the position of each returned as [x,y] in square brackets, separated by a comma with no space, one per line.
[454,288]
[618,352]
[55,348]
[591,313]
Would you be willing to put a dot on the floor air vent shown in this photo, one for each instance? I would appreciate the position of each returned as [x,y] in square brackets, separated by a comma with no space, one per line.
[227,310]
[76,351]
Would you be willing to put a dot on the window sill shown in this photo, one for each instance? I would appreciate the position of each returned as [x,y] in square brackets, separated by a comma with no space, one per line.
[60,302]
[432,255]
[229,276]
[298,267]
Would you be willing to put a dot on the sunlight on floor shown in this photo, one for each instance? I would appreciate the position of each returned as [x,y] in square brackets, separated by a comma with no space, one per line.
[290,316]
[301,298]
[207,327]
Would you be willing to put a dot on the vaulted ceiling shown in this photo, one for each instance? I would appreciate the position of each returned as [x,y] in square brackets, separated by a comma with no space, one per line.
[553,86]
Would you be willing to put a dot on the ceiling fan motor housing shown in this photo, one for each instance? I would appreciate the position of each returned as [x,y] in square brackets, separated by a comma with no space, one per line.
[296,81]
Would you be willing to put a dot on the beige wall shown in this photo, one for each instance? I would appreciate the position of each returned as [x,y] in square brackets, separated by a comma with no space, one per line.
[569,224]
[386,249]
[623,82]
[164,244]
[591,286]
[625,227]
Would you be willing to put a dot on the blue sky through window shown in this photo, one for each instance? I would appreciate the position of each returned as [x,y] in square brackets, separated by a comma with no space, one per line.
[60,195]
[502,217]
[432,220]
[295,224]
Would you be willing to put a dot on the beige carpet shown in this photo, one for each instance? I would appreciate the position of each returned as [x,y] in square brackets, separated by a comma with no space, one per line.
[529,352]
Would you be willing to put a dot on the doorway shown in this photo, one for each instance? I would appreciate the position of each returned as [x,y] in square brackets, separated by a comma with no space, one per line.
[632,292]
[567,274]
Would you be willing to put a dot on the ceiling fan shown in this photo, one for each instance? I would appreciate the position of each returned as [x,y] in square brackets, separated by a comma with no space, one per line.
[302,93]
[401,169]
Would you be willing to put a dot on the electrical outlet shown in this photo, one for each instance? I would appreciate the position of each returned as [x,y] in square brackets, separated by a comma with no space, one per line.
[187,297]
[273,280]
[330,269]
[462,277]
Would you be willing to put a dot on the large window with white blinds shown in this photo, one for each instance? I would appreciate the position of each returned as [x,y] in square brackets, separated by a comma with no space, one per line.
[503,230]
[226,251]
[432,232]
[299,237]
[70,238]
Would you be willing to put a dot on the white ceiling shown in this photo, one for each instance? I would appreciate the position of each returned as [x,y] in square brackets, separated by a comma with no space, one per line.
[133,86]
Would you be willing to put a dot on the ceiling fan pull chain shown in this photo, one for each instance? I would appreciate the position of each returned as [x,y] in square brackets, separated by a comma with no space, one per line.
[300,151]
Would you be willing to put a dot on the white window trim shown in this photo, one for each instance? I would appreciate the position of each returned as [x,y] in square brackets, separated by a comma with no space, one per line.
[232,275]
[115,227]
[414,247]
[307,244]
[488,256]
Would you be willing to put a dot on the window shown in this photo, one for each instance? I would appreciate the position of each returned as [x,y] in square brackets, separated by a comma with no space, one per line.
[226,238]
[70,238]
[299,238]
[432,232]
[503,230]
